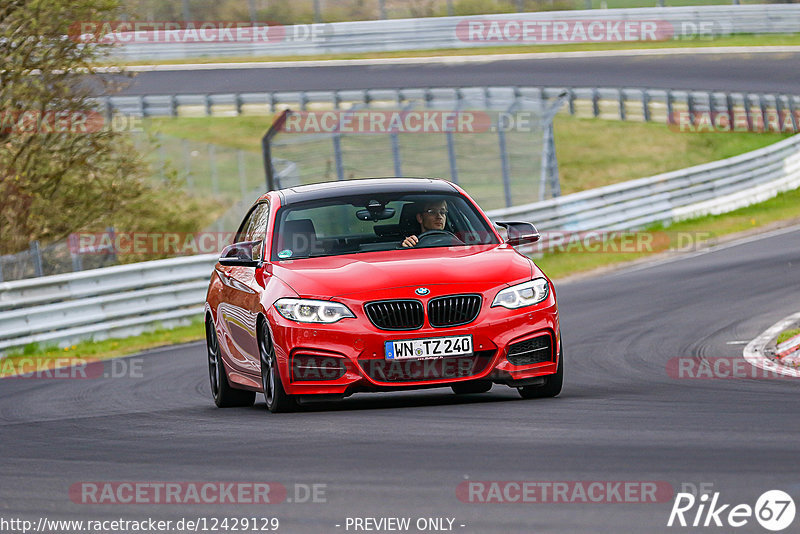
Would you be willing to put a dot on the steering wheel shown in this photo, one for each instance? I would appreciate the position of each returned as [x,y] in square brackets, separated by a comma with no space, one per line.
[439,238]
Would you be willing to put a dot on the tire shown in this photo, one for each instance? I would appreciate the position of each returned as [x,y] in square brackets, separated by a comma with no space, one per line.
[224,395]
[278,401]
[551,386]
[475,386]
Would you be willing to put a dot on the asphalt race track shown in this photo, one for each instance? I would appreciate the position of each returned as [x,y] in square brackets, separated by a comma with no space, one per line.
[621,417]
[756,72]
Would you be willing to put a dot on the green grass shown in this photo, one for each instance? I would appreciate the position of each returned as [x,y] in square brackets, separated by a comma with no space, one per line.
[697,42]
[15,362]
[788,334]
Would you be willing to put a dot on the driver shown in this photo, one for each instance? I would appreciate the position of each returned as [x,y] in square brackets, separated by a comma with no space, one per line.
[432,216]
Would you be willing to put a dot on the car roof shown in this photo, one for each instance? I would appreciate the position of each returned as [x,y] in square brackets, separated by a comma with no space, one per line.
[364,186]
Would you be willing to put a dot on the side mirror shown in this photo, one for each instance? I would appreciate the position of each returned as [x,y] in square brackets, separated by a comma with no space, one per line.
[520,233]
[240,255]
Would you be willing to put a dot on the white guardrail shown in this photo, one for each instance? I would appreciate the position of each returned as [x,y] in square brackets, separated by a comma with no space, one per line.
[450,32]
[125,300]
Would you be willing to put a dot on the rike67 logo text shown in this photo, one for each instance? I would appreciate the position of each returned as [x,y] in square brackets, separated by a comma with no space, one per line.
[774,510]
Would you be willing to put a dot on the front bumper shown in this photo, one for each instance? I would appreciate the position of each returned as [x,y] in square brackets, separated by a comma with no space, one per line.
[349,356]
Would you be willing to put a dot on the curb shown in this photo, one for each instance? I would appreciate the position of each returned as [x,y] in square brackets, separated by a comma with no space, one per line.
[754,352]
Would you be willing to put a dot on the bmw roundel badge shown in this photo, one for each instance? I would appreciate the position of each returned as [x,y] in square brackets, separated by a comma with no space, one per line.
[422,291]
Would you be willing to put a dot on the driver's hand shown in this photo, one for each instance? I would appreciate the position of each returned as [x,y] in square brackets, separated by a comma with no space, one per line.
[410,241]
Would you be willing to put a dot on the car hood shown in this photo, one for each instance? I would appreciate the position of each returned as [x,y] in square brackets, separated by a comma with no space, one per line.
[481,267]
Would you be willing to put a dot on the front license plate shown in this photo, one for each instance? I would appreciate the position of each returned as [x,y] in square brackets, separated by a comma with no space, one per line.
[432,347]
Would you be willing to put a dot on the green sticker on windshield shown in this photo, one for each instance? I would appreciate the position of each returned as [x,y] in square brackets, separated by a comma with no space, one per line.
[285,254]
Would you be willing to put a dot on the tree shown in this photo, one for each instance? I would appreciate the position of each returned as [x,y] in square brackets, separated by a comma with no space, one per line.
[62,168]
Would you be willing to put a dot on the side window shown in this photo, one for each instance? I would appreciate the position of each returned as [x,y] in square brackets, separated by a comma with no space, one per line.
[254,227]
[257,228]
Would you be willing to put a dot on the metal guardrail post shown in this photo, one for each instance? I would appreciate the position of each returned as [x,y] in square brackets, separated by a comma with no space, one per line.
[113,235]
[571,94]
[36,257]
[646,105]
[729,104]
[207,103]
[75,253]
[621,101]
[793,112]
[669,106]
[504,164]
[398,170]
[337,156]
[595,103]
[451,155]
[779,110]
[108,109]
[173,105]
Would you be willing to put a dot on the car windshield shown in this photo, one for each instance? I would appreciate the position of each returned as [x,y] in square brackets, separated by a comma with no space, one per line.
[353,225]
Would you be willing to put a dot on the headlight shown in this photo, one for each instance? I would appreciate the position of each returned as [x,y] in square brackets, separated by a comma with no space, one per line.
[520,295]
[312,311]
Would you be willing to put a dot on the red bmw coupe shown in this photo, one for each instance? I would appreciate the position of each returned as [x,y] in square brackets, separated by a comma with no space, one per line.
[377,285]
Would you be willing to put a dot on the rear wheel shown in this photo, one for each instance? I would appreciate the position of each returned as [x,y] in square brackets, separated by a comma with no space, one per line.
[550,388]
[278,400]
[224,395]
[476,386]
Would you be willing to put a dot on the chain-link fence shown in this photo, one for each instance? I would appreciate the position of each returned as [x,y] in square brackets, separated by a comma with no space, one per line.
[500,149]
[55,258]
[234,177]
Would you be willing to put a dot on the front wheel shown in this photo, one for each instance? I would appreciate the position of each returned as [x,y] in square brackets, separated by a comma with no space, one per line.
[551,386]
[224,395]
[278,401]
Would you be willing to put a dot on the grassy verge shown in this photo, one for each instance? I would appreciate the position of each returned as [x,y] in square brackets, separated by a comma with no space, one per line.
[788,334]
[734,40]
[33,355]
